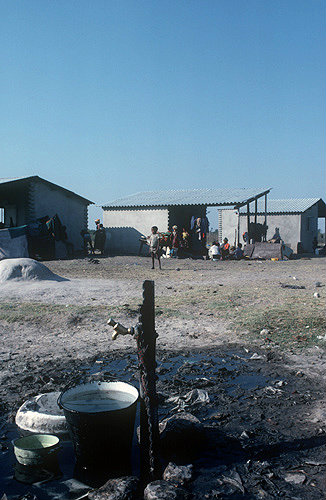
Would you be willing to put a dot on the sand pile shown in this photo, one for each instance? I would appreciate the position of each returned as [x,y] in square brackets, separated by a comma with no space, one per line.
[26,270]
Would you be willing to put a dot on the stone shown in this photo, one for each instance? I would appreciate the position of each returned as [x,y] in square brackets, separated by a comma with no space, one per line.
[264,331]
[162,490]
[177,474]
[295,477]
[123,488]
[182,434]
[316,295]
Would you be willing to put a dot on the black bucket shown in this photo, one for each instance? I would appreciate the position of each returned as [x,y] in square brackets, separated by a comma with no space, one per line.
[101,419]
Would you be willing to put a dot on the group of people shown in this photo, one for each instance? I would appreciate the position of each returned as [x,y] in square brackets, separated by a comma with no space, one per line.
[180,241]
[224,251]
[176,242]
[99,239]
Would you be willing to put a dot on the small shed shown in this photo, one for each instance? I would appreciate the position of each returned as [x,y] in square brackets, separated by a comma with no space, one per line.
[25,199]
[297,220]
[128,219]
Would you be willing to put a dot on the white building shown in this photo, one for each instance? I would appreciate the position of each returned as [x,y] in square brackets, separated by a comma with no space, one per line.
[25,199]
[297,220]
[129,218]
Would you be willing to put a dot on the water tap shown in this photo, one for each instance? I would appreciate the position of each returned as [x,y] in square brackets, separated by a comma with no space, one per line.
[119,329]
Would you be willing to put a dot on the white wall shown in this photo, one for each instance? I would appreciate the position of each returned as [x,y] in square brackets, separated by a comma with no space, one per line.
[289,225]
[228,224]
[124,227]
[71,211]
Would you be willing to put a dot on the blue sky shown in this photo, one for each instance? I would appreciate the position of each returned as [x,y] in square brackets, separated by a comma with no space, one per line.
[112,97]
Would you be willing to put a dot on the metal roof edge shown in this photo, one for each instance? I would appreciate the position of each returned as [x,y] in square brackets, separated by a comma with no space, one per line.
[114,204]
[52,184]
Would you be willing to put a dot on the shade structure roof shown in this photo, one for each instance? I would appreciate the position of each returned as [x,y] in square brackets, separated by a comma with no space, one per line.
[208,197]
[290,205]
[14,180]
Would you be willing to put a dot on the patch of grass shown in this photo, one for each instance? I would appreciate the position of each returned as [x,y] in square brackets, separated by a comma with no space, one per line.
[288,323]
[20,312]
[36,312]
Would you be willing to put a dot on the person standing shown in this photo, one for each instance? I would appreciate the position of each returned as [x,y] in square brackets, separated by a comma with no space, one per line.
[314,245]
[100,238]
[154,246]
[87,241]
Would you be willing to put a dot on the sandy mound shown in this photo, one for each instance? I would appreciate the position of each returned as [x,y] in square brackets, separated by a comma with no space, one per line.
[25,270]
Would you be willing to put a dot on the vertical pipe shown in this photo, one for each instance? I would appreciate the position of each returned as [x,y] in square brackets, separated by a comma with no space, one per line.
[265,209]
[265,221]
[248,221]
[238,226]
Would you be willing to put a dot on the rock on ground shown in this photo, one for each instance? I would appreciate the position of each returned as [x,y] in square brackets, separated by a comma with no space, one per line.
[177,474]
[25,270]
[182,434]
[162,490]
[124,488]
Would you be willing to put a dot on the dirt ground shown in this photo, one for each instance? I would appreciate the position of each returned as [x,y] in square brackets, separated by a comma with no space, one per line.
[207,313]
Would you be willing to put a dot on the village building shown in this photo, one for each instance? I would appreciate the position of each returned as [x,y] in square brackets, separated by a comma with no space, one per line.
[130,218]
[24,200]
[297,220]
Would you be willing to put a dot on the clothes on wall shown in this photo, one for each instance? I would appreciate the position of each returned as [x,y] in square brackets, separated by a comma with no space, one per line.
[204,223]
[13,243]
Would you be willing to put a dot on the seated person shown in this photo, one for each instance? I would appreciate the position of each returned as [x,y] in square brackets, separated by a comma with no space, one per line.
[225,249]
[238,252]
[214,251]
[174,242]
[231,253]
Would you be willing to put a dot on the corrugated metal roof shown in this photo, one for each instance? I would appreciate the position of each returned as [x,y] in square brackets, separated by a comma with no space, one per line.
[291,205]
[37,178]
[210,196]
[11,179]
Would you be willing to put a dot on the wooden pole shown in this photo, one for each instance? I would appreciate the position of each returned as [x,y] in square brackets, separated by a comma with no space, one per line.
[146,341]
[256,211]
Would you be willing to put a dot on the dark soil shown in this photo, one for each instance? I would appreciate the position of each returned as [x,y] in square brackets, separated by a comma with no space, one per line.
[263,438]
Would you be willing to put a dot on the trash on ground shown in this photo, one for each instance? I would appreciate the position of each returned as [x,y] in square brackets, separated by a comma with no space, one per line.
[196,396]
[235,480]
[295,477]
[256,356]
[293,287]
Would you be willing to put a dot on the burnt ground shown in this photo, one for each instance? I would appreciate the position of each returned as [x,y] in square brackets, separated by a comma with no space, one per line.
[265,419]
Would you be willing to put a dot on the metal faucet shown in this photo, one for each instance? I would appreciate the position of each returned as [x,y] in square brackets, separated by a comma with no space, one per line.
[119,329]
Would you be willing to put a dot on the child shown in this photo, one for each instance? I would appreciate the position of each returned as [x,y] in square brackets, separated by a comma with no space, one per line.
[86,241]
[154,246]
